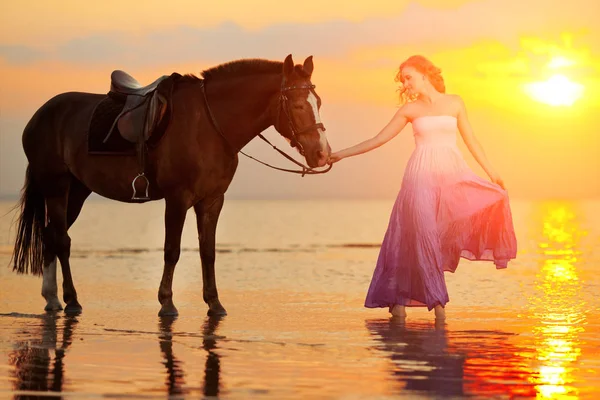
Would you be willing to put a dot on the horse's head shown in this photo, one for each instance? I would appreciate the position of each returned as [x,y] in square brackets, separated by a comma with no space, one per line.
[298,118]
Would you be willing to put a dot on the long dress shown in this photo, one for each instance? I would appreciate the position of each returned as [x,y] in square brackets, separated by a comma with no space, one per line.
[443,212]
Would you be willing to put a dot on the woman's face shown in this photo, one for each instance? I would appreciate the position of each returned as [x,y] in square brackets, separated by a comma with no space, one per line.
[413,80]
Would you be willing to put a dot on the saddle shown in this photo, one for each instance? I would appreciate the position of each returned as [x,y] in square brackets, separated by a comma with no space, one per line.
[143,110]
[135,112]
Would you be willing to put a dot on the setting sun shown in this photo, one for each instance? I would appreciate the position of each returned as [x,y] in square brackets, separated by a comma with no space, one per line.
[558,90]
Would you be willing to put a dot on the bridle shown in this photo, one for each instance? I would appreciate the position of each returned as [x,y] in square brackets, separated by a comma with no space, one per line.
[282,104]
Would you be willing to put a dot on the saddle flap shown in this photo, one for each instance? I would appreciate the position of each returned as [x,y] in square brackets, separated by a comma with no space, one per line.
[157,108]
[141,117]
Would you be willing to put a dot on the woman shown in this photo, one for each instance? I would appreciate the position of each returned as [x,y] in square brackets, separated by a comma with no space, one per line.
[443,211]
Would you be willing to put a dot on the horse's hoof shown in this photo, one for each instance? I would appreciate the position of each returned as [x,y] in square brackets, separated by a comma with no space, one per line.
[73,309]
[53,305]
[168,311]
[216,310]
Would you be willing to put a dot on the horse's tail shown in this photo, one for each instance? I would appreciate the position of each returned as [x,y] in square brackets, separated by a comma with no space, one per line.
[28,254]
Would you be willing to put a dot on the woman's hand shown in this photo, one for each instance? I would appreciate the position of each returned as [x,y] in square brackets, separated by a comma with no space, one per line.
[334,157]
[494,177]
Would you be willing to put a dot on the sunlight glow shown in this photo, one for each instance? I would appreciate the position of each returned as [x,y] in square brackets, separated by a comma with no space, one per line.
[560,62]
[558,90]
[557,305]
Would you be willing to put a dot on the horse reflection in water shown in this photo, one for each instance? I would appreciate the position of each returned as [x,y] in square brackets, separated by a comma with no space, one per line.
[176,383]
[33,363]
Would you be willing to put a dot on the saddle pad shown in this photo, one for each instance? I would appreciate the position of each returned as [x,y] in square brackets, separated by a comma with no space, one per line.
[102,119]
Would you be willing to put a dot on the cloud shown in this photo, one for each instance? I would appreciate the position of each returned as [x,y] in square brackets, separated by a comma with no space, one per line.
[19,55]
[503,21]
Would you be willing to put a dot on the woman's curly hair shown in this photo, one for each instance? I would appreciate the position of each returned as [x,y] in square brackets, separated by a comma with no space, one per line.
[427,68]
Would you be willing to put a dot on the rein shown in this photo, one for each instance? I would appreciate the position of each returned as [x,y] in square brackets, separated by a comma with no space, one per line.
[306,170]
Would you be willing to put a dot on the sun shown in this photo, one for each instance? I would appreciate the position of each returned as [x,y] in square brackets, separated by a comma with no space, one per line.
[557,91]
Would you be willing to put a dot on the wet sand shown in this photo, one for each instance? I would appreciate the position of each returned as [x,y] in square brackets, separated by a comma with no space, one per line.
[296,327]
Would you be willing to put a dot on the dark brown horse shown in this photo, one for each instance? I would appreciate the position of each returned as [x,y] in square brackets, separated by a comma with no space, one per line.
[211,119]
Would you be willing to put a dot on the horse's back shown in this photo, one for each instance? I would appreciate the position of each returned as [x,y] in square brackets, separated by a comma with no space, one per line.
[54,124]
[63,103]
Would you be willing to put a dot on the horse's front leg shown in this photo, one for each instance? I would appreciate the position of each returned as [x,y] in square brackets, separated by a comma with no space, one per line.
[175,212]
[207,216]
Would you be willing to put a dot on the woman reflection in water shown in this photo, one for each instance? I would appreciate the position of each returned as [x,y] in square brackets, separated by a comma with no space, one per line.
[443,211]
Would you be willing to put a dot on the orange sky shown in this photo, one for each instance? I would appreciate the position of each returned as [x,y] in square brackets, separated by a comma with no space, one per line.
[489,51]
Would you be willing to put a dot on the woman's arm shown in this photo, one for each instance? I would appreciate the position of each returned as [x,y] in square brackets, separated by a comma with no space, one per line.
[395,126]
[464,127]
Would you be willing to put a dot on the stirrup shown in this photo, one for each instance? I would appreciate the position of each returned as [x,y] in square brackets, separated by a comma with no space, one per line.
[135,196]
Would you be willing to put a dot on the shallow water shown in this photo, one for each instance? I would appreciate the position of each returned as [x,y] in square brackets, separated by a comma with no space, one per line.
[293,275]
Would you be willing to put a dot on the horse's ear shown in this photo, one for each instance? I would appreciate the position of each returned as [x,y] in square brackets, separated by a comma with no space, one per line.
[308,65]
[288,66]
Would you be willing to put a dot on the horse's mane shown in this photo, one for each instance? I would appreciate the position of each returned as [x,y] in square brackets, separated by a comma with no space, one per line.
[243,67]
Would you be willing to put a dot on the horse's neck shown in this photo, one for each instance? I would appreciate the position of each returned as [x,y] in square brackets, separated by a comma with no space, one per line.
[243,106]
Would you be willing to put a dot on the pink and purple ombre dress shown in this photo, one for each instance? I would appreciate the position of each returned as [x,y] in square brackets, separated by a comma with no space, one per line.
[444,211]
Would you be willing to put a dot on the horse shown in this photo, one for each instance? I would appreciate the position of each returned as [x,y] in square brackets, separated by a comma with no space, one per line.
[209,120]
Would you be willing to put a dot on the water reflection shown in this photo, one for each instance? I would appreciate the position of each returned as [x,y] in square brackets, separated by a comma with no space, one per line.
[176,377]
[212,369]
[419,355]
[433,359]
[38,363]
[557,307]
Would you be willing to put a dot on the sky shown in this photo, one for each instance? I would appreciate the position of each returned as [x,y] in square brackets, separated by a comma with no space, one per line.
[528,71]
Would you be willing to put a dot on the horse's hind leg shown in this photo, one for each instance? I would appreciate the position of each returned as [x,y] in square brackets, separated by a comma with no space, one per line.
[78,193]
[58,239]
[49,286]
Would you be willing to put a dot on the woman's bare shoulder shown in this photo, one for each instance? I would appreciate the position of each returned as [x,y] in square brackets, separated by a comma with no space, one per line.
[455,99]
[455,103]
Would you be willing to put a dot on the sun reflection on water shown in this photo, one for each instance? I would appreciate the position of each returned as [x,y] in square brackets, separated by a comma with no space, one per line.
[556,305]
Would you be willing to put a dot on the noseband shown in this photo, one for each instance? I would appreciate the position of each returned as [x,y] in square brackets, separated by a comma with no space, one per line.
[283,104]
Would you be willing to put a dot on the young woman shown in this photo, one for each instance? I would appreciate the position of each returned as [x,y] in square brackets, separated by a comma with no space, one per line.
[443,211]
